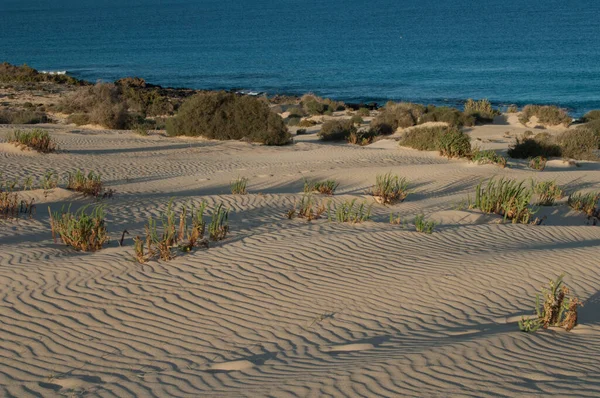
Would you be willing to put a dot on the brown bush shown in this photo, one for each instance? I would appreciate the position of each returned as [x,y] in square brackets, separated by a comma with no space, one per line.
[548,115]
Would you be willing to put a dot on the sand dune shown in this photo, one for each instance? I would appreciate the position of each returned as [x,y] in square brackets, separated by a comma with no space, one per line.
[286,308]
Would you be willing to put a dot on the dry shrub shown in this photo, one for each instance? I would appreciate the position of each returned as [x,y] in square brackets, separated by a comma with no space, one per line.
[580,143]
[22,116]
[449,141]
[548,115]
[451,116]
[226,116]
[101,102]
[529,147]
[336,130]
[12,206]
[89,185]
[395,115]
[481,110]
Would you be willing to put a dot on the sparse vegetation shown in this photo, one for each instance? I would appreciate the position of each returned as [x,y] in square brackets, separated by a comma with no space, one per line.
[12,206]
[452,116]
[81,230]
[336,130]
[314,105]
[238,186]
[585,202]
[488,156]
[395,115]
[362,137]
[356,119]
[38,140]
[326,187]
[89,185]
[349,212]
[389,189]
[481,110]
[504,197]
[547,115]
[554,307]
[224,116]
[423,226]
[308,208]
[538,163]
[219,224]
[26,74]
[22,116]
[547,192]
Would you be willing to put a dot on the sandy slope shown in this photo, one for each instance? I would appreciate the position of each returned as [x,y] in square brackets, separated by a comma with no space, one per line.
[288,308]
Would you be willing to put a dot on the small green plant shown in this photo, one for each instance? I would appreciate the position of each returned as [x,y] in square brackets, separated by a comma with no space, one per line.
[487,157]
[389,189]
[547,191]
[36,139]
[423,226]
[395,219]
[326,187]
[538,163]
[238,186]
[349,212]
[307,208]
[219,226]
[454,144]
[27,184]
[529,325]
[508,198]
[89,185]
[50,180]
[584,202]
[82,230]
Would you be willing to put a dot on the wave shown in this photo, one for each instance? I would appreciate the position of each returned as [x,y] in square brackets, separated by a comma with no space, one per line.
[57,72]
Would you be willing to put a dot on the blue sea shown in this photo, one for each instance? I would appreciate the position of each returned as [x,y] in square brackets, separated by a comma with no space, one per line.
[428,51]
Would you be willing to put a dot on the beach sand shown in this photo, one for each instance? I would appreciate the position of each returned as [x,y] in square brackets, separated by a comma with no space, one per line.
[289,308]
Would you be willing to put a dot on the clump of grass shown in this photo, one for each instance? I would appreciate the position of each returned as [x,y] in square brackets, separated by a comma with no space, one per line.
[421,225]
[548,115]
[36,139]
[362,137]
[50,180]
[395,219]
[81,230]
[554,307]
[507,198]
[326,187]
[186,235]
[219,224]
[488,157]
[89,185]
[547,191]
[349,212]
[307,208]
[482,110]
[238,186]
[585,202]
[12,206]
[538,163]
[389,189]
[454,144]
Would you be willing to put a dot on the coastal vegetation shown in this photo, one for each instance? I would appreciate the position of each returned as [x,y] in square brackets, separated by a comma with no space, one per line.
[349,212]
[225,116]
[547,115]
[449,141]
[580,143]
[82,230]
[389,188]
[326,187]
[36,139]
[505,197]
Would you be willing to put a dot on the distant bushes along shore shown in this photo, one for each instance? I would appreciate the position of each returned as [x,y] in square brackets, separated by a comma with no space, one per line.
[225,116]
[581,143]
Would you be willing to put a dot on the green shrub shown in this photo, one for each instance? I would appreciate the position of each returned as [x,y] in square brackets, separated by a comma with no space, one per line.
[364,112]
[336,130]
[423,226]
[453,117]
[528,147]
[36,139]
[224,116]
[395,115]
[80,230]
[584,202]
[538,163]
[423,138]
[356,119]
[389,189]
[238,186]
[90,184]
[219,224]
[547,191]
[101,102]
[507,198]
[349,211]
[453,143]
[488,156]
[548,115]
[314,105]
[326,187]
[481,110]
[579,143]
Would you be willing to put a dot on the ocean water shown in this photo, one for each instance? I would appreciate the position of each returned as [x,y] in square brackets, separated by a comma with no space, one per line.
[430,51]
